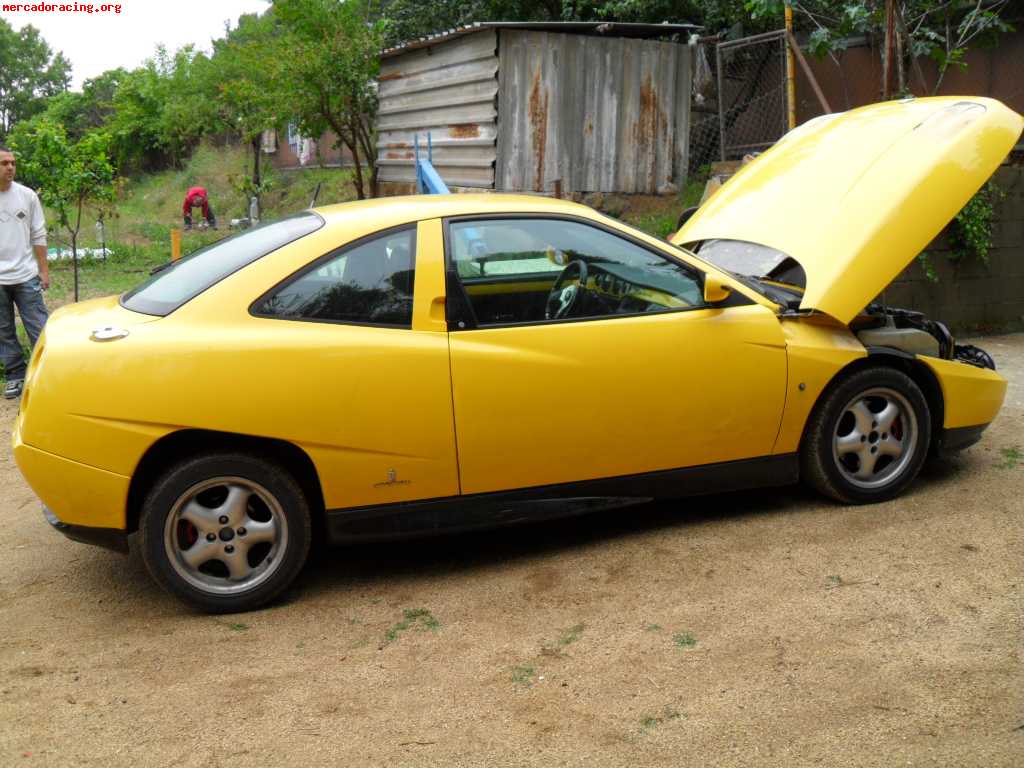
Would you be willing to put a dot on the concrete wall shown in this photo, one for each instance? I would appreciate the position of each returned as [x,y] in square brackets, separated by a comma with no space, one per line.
[971,295]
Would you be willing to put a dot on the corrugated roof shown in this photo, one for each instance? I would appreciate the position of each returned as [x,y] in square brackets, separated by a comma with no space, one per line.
[605,28]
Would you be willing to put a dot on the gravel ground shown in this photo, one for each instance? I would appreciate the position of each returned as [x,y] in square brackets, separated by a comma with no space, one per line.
[747,629]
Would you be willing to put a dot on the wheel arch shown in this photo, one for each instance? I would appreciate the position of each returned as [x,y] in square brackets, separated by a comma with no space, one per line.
[885,357]
[177,445]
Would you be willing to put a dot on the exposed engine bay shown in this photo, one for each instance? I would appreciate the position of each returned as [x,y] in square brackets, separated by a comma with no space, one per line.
[782,279]
[915,334]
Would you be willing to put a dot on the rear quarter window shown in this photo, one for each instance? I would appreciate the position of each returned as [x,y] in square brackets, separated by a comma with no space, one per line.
[185,279]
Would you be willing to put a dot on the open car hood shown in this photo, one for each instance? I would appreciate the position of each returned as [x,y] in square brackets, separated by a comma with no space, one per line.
[855,196]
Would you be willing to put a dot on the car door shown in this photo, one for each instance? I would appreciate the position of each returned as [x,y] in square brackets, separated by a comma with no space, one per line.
[361,347]
[642,376]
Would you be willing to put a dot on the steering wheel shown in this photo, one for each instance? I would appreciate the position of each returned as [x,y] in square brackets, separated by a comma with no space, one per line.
[562,301]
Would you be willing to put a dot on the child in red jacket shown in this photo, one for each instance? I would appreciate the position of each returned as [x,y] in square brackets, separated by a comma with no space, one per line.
[196,197]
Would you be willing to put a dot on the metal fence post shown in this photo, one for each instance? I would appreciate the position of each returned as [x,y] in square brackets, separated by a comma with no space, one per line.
[721,99]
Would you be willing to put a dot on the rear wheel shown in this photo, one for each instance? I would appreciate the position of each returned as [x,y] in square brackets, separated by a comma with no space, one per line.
[868,437]
[225,532]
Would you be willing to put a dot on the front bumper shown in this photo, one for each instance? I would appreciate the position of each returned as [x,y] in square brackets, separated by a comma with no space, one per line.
[108,538]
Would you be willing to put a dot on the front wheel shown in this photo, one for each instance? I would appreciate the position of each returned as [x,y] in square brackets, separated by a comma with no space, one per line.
[225,532]
[868,437]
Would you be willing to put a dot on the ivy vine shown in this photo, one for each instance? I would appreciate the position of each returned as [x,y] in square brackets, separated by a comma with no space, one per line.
[970,231]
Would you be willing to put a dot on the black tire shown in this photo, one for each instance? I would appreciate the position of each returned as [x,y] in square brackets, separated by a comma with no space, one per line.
[846,452]
[218,567]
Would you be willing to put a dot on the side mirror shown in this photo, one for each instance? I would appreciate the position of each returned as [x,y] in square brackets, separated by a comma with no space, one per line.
[715,290]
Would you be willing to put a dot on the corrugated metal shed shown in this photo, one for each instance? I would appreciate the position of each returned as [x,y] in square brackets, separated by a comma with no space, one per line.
[602,115]
[515,106]
[448,90]
[605,28]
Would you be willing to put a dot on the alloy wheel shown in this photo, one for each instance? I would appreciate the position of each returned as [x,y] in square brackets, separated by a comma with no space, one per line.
[875,438]
[225,535]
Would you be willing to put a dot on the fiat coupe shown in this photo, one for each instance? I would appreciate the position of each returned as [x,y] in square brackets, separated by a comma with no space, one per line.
[418,365]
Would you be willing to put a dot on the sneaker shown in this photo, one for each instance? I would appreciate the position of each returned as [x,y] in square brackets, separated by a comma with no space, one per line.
[13,388]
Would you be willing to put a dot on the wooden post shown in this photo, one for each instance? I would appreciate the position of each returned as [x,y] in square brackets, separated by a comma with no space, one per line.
[810,75]
[175,243]
[558,189]
[790,71]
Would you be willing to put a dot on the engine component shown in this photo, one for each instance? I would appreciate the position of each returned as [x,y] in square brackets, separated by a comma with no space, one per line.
[972,355]
[913,341]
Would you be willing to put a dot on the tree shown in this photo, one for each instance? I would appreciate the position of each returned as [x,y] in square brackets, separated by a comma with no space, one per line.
[938,29]
[67,175]
[29,74]
[330,63]
[410,19]
[245,74]
[161,110]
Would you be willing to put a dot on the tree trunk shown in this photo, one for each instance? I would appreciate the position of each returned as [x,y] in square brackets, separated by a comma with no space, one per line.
[354,148]
[74,244]
[362,132]
[256,142]
[74,260]
[352,144]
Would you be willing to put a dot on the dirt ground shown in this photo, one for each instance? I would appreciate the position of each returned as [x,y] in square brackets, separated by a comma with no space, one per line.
[750,629]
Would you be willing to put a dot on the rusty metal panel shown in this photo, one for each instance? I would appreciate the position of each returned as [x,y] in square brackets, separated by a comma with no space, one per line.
[449,90]
[601,114]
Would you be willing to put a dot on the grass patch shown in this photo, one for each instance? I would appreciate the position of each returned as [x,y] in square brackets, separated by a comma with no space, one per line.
[650,722]
[660,225]
[1013,457]
[238,627]
[694,189]
[571,635]
[523,675]
[684,640]
[418,618]
[652,627]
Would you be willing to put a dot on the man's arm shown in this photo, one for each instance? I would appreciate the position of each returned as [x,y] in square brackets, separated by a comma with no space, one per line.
[38,233]
[44,265]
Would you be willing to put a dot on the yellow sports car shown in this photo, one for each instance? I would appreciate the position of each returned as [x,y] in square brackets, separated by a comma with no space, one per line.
[426,364]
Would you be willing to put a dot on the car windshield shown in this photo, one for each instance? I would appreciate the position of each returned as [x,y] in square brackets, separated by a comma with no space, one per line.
[180,281]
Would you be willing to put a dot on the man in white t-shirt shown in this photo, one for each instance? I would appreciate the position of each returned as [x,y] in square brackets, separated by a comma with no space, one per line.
[24,273]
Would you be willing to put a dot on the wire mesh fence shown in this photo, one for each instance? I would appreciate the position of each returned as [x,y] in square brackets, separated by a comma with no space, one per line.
[751,77]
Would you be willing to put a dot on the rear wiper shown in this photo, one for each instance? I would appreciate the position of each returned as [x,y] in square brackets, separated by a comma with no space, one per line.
[162,267]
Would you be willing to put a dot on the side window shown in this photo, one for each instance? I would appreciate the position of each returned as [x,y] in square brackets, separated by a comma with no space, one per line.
[370,283]
[531,270]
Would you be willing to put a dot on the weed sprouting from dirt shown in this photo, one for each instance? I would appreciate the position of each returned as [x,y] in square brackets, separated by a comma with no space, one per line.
[421,618]
[571,635]
[1013,457]
[523,675]
[238,627]
[684,640]
[652,627]
[649,722]
[835,581]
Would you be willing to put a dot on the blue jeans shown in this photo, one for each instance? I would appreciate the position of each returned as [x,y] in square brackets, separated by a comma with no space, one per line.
[28,298]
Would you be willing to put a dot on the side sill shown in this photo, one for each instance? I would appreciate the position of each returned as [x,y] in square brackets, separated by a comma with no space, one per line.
[454,514]
[958,438]
[108,538]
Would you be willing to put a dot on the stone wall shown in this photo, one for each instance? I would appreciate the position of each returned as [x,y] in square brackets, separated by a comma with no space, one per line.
[971,295]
